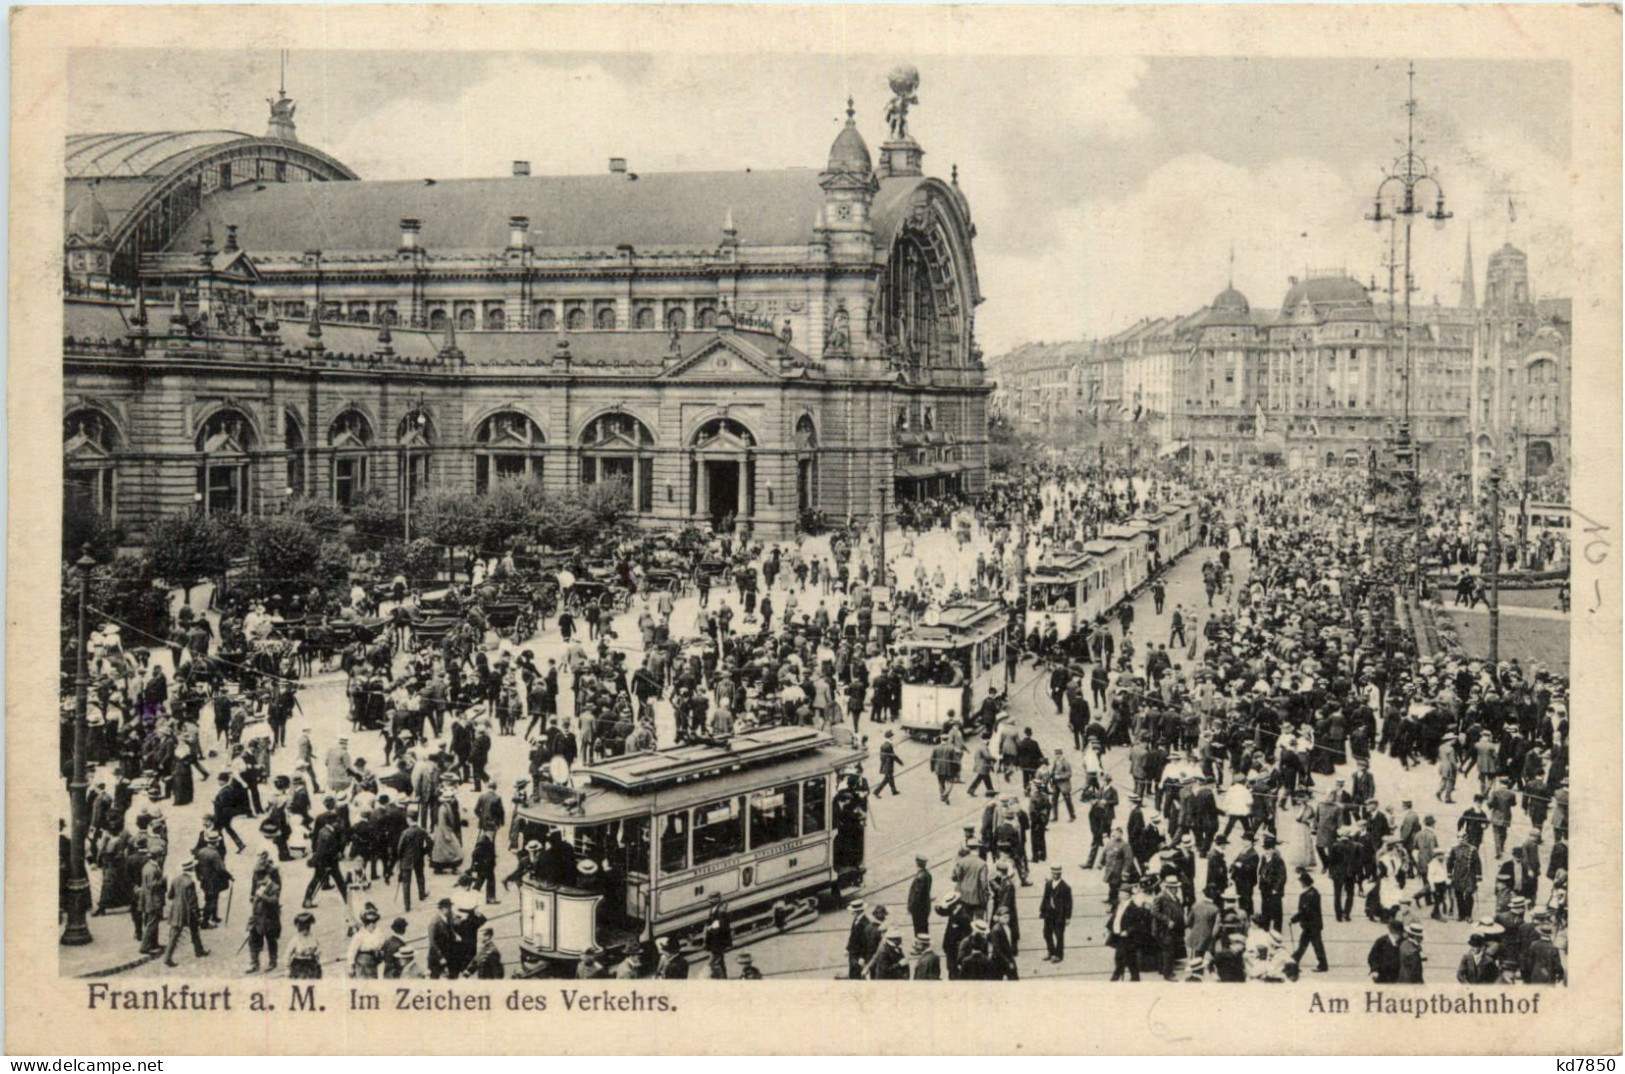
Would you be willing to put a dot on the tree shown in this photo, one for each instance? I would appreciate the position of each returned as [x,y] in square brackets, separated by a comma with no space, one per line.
[377,520]
[121,589]
[452,519]
[189,548]
[292,556]
[323,516]
[512,510]
[418,559]
[83,525]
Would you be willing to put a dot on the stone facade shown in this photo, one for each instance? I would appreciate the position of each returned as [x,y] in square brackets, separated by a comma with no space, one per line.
[754,344]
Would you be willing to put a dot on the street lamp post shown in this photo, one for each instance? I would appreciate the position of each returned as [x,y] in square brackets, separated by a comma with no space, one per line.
[1404,180]
[76,932]
[1495,565]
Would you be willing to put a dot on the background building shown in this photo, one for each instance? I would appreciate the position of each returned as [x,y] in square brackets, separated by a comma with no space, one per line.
[247,321]
[1318,380]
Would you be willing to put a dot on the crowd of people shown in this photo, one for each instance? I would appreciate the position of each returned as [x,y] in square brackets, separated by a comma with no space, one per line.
[1242,742]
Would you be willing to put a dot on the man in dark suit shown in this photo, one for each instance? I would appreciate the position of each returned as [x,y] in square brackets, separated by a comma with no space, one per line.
[1055,909]
[411,850]
[1271,884]
[184,913]
[230,802]
[1310,923]
[443,940]
[919,897]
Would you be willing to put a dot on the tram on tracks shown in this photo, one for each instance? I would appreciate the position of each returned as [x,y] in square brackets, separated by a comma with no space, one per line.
[957,652]
[1059,590]
[647,842]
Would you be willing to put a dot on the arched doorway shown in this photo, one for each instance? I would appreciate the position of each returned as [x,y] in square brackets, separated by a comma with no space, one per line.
[224,445]
[722,479]
[1331,459]
[616,446]
[88,442]
[350,437]
[508,447]
[806,464]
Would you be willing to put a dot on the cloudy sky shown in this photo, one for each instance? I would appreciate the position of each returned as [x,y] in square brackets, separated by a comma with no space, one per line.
[1104,190]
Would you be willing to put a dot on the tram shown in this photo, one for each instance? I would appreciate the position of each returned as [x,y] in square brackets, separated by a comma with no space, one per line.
[647,842]
[1059,589]
[962,648]
[1132,545]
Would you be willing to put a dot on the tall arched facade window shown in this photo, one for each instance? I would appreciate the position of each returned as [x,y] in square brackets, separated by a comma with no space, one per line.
[806,464]
[676,320]
[415,436]
[722,472]
[225,446]
[507,447]
[89,440]
[618,446]
[465,319]
[350,437]
[293,447]
[546,320]
[606,319]
[575,320]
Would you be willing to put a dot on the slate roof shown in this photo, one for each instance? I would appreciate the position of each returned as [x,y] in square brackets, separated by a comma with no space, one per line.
[678,211]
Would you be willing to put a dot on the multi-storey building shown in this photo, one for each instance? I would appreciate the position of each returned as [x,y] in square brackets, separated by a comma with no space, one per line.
[247,320]
[1320,379]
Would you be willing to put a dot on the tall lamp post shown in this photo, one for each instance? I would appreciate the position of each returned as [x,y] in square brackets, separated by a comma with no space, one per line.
[418,421]
[1495,565]
[1403,189]
[76,932]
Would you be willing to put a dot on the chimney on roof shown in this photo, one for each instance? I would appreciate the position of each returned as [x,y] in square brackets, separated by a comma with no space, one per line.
[617,165]
[521,167]
[410,227]
[518,232]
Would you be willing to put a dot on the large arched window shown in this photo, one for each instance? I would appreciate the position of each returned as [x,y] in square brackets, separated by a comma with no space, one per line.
[722,472]
[437,320]
[806,464]
[350,437]
[646,317]
[676,320]
[495,319]
[576,320]
[224,445]
[605,320]
[705,319]
[88,442]
[293,445]
[465,320]
[508,447]
[415,435]
[546,319]
[616,446]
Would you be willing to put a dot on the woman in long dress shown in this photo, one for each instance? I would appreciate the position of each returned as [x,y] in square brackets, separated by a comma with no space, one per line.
[180,773]
[446,854]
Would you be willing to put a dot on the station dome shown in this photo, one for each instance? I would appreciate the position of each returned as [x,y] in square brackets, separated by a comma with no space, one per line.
[850,153]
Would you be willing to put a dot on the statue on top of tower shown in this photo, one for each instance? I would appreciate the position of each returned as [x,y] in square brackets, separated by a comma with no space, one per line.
[904,80]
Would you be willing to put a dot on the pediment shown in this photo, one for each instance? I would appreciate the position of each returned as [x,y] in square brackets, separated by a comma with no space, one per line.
[721,357]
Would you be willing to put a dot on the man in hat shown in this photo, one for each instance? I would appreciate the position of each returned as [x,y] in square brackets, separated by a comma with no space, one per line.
[1001,946]
[1244,875]
[411,854]
[856,940]
[919,896]
[1383,960]
[719,938]
[1272,876]
[184,913]
[1478,965]
[1168,910]
[888,767]
[927,966]
[1542,963]
[1410,955]
[1002,896]
[1526,859]
[212,877]
[1055,910]
[1311,924]
[1499,805]
[1134,931]
[747,968]
[970,875]
[1464,869]
[1118,867]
